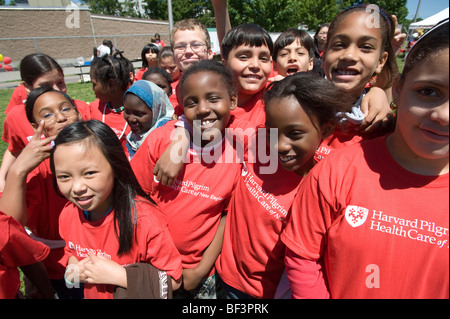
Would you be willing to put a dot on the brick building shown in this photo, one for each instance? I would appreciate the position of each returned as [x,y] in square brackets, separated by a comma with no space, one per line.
[66,33]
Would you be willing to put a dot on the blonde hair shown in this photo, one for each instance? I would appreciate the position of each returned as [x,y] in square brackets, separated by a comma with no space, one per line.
[190,24]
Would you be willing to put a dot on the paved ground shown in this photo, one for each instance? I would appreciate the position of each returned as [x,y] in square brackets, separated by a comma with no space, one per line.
[12,79]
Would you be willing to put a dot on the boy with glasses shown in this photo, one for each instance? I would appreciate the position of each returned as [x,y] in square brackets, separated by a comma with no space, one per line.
[191,43]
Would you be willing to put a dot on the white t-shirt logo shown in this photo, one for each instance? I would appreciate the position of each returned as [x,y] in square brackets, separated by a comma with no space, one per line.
[356,215]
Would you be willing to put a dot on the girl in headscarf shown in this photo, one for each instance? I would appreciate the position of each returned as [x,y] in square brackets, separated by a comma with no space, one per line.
[146,107]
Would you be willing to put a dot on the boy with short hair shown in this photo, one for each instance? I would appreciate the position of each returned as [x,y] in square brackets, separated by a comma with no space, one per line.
[190,43]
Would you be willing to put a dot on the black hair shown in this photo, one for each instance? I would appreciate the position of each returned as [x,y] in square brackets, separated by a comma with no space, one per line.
[109,44]
[126,186]
[151,47]
[115,67]
[430,44]
[319,98]
[320,27]
[34,65]
[209,66]
[158,70]
[245,34]
[35,94]
[291,35]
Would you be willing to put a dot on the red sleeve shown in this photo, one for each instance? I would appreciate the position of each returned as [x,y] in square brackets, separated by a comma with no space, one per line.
[306,231]
[84,109]
[305,277]
[143,162]
[139,74]
[18,97]
[17,129]
[161,250]
[17,248]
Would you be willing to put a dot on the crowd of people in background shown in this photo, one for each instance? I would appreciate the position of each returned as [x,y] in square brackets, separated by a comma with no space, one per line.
[308,167]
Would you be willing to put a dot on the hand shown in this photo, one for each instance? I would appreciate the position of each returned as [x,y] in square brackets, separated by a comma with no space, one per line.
[399,37]
[100,270]
[377,112]
[36,151]
[276,78]
[170,164]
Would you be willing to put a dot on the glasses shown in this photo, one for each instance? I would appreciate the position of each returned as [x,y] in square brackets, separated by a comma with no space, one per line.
[66,111]
[181,48]
[323,33]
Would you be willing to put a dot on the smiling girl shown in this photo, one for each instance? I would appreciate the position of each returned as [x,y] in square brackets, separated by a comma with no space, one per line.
[195,203]
[29,196]
[302,109]
[358,50]
[109,222]
[374,218]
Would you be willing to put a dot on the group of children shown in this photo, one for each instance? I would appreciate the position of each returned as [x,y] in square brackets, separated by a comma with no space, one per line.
[356,206]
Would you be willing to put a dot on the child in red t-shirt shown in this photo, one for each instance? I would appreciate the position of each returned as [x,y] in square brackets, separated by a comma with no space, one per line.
[246,51]
[109,222]
[149,57]
[19,96]
[374,218]
[207,180]
[111,76]
[301,108]
[18,249]
[353,56]
[36,70]
[29,196]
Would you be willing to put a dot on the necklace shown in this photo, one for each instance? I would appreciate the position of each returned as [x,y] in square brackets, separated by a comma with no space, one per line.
[118,110]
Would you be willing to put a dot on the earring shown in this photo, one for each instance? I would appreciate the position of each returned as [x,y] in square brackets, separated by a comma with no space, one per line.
[393,106]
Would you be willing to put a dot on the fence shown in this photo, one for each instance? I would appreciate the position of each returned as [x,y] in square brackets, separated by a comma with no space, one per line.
[80,46]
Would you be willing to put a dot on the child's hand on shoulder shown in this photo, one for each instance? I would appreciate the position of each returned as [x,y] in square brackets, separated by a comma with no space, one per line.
[377,112]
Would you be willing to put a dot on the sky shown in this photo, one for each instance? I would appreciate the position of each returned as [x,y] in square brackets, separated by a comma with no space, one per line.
[427,8]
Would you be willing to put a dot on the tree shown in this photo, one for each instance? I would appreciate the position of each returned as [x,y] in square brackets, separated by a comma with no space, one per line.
[107,7]
[272,15]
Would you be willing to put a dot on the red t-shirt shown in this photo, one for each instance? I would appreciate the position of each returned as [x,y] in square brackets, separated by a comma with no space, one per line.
[380,230]
[335,141]
[153,242]
[116,121]
[139,74]
[179,110]
[253,110]
[44,206]
[195,202]
[18,97]
[16,249]
[257,214]
[17,130]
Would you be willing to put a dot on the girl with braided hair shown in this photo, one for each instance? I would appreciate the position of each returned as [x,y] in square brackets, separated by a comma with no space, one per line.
[111,77]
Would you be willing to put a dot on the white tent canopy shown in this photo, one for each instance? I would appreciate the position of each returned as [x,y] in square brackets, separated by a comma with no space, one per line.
[429,22]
